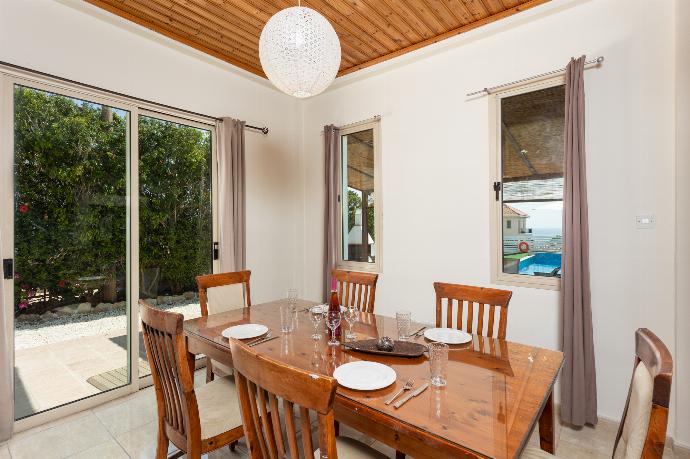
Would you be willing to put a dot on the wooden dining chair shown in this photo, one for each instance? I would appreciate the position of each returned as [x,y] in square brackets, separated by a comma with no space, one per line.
[356,289]
[642,431]
[483,304]
[263,383]
[220,293]
[196,421]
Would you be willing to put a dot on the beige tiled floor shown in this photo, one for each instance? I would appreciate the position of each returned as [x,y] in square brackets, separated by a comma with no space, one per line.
[126,428]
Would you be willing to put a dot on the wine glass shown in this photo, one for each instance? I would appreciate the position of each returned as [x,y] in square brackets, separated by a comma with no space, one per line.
[333,322]
[351,317]
[316,315]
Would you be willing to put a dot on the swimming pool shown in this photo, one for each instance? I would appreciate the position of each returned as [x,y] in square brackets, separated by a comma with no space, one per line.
[542,262]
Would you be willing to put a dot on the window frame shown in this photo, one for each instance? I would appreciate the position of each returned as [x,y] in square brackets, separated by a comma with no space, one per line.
[496,175]
[377,266]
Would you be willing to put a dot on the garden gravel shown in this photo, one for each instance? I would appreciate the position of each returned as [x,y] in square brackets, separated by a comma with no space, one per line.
[32,334]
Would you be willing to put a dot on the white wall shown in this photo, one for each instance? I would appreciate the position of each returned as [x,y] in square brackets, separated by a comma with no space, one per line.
[682,381]
[436,184]
[74,40]
[436,156]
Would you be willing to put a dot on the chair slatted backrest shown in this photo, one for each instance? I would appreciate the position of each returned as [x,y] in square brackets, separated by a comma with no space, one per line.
[220,280]
[655,356]
[356,289]
[262,383]
[173,373]
[482,307]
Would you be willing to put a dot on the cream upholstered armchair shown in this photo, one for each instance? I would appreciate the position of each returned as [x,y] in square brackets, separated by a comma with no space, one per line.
[642,432]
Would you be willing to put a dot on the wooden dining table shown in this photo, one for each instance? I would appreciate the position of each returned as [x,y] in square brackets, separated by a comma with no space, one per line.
[497,391]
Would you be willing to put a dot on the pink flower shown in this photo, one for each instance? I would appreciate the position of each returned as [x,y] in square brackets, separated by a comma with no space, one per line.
[31,293]
[23,208]
[17,276]
[23,304]
[24,287]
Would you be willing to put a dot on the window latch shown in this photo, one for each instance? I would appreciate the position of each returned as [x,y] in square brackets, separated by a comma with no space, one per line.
[216,251]
[497,190]
[8,268]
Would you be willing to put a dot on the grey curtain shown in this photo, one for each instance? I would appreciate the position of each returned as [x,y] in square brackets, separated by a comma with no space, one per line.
[578,380]
[6,364]
[231,197]
[331,136]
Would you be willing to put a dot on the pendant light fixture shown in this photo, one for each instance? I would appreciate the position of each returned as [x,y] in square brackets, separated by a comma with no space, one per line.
[299,51]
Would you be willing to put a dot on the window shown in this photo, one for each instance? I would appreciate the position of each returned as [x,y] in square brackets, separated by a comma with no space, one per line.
[360,198]
[528,147]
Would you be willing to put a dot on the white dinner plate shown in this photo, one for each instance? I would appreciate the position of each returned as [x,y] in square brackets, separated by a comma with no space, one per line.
[319,308]
[364,375]
[447,335]
[324,307]
[245,331]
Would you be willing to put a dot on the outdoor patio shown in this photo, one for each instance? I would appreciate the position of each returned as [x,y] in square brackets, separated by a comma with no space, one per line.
[57,363]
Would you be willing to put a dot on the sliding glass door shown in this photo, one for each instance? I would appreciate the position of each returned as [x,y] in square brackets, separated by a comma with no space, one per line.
[71,186]
[175,213]
[101,203]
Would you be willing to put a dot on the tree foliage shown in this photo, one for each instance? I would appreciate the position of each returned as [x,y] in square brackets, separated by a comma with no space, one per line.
[175,232]
[354,203]
[71,199]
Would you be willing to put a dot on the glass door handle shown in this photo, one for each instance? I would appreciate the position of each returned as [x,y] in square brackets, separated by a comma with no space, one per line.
[8,268]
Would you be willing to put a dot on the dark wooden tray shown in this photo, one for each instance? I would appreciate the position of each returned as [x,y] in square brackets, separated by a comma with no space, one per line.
[400,348]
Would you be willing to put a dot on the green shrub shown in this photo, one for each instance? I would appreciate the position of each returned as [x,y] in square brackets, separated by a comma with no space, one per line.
[71,205]
[175,232]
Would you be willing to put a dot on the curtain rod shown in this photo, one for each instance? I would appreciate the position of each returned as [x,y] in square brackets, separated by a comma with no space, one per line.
[367,120]
[486,91]
[354,123]
[264,129]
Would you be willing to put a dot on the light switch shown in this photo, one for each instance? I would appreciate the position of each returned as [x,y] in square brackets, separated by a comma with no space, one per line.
[645,221]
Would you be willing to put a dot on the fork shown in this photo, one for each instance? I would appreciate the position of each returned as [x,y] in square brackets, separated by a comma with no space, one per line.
[419,332]
[256,340]
[408,385]
[266,339]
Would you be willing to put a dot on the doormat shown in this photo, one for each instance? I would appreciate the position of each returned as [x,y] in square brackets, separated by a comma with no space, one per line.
[117,378]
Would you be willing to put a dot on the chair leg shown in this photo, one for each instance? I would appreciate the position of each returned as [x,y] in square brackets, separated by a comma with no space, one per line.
[162,444]
[232,445]
[337,429]
[399,455]
[193,449]
[209,370]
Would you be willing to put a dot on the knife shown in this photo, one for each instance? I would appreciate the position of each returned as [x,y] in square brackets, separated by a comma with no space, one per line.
[414,393]
[263,341]
[419,332]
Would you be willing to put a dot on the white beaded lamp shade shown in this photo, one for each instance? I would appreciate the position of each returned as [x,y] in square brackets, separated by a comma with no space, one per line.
[299,51]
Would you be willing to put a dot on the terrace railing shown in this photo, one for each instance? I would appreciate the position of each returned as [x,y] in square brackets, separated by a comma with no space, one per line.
[511,244]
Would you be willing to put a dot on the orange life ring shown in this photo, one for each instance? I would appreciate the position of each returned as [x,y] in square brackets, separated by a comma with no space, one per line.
[523,247]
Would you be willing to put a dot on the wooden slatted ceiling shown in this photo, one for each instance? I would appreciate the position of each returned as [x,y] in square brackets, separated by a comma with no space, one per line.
[533,135]
[370,31]
[360,160]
